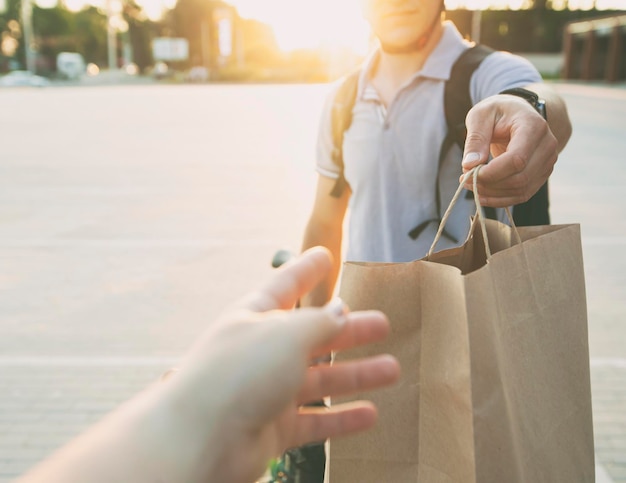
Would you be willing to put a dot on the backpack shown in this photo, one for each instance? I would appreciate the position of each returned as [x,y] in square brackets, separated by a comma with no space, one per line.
[457,103]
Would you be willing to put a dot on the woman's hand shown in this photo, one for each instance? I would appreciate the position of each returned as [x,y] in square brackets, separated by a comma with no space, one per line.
[250,374]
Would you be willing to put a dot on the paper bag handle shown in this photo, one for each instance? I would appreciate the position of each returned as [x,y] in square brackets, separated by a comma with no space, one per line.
[479,213]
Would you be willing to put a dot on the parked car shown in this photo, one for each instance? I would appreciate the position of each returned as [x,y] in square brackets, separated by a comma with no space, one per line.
[198,74]
[161,71]
[23,78]
[70,65]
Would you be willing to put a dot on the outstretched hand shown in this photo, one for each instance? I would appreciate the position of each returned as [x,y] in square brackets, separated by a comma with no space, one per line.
[252,368]
[523,148]
[236,400]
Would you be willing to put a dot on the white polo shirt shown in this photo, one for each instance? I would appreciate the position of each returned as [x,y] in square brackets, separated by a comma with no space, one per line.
[391,154]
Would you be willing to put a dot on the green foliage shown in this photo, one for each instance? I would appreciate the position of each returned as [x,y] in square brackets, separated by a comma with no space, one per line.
[12,12]
[91,35]
[48,22]
[140,34]
[58,29]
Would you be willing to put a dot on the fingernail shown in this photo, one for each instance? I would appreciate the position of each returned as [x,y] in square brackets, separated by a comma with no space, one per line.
[471,158]
[338,310]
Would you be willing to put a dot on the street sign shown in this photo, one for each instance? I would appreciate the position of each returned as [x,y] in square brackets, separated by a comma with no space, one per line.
[170,49]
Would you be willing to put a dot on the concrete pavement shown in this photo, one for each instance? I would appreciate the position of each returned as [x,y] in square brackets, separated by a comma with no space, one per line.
[129,215]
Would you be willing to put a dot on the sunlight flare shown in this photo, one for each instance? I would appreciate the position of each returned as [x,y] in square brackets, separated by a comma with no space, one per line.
[323,23]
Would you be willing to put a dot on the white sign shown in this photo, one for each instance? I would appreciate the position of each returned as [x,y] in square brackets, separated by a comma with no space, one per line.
[225,32]
[170,49]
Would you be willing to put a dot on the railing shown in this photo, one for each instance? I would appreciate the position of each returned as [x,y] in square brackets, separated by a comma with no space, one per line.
[594,49]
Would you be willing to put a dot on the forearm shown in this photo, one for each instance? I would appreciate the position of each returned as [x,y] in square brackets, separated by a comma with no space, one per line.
[558,117]
[142,441]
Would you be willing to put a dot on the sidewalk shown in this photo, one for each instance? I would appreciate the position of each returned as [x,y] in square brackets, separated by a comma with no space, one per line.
[135,214]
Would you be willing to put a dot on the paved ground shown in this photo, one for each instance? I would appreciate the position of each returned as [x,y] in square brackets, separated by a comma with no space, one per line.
[130,215]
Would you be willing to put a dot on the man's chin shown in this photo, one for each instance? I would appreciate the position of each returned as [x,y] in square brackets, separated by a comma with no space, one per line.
[402,47]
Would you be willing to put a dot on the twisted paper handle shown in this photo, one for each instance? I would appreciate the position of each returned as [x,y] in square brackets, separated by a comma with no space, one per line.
[479,213]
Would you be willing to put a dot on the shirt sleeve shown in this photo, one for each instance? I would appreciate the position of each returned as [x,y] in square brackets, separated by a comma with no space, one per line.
[500,71]
[325,165]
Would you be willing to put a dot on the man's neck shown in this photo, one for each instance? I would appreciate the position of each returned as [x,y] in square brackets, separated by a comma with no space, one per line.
[393,70]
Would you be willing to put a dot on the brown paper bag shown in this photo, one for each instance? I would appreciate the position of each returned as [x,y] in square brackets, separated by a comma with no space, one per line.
[494,353]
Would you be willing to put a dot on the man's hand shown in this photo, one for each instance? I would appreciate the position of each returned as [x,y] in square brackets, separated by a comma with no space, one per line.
[522,145]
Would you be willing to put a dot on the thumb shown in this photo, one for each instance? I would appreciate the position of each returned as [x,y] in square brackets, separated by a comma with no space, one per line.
[291,281]
[480,124]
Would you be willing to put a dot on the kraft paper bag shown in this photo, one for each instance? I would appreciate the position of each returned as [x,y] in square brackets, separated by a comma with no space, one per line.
[494,353]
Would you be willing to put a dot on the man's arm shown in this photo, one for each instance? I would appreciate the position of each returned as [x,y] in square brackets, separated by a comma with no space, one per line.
[325,228]
[524,146]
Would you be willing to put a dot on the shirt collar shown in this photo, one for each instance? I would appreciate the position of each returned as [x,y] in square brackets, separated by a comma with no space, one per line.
[438,65]
[440,61]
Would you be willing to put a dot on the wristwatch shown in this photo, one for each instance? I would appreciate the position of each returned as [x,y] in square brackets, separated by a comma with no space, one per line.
[532,98]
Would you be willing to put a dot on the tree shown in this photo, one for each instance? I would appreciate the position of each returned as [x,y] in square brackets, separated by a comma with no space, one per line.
[10,31]
[53,29]
[140,33]
[91,35]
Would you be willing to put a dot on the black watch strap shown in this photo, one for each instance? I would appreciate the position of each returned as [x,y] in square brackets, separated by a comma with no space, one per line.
[532,98]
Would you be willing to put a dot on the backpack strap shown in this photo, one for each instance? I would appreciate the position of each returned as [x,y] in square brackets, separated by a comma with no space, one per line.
[534,212]
[341,119]
[457,102]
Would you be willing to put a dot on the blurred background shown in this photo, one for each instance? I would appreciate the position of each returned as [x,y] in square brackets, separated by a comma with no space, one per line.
[282,40]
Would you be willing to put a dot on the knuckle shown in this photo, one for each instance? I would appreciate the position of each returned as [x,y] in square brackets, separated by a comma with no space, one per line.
[545,128]
[519,162]
[475,138]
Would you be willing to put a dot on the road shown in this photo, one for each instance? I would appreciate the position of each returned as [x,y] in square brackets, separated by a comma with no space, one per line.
[130,215]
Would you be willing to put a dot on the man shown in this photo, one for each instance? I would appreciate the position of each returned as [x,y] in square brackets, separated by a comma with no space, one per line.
[391,149]
[390,152]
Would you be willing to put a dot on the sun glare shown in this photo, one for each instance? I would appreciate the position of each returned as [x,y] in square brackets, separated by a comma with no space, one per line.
[323,23]
[326,23]
[338,23]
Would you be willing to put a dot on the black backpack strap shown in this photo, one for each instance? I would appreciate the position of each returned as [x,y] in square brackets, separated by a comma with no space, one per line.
[457,101]
[536,211]
[341,119]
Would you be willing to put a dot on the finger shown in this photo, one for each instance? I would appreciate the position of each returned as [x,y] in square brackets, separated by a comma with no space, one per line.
[360,328]
[498,186]
[318,424]
[529,133]
[480,125]
[349,377]
[291,281]
[500,177]
[308,331]
[525,152]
